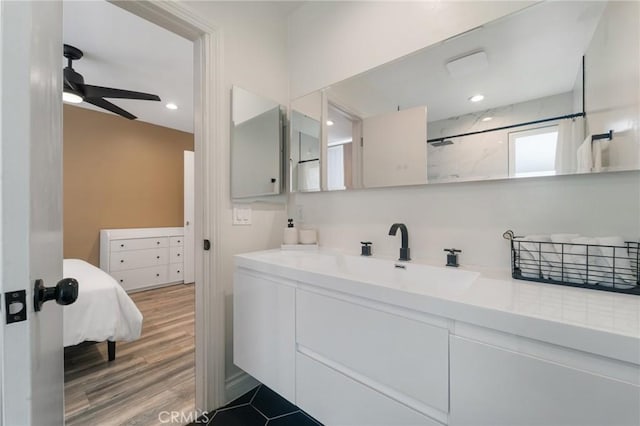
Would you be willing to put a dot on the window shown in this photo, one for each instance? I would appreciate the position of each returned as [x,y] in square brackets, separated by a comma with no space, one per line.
[533,152]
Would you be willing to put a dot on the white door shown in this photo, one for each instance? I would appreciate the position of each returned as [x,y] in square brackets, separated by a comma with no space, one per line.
[31,355]
[394,151]
[189,212]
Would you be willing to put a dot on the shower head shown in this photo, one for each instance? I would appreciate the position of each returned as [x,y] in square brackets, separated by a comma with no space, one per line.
[442,142]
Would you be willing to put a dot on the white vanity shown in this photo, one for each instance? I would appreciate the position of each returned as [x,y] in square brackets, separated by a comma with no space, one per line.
[359,341]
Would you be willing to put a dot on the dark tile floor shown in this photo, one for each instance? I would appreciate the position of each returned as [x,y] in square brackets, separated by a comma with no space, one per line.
[259,407]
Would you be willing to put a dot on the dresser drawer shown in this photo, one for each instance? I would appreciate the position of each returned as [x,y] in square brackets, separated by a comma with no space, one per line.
[135,259]
[175,272]
[175,254]
[142,277]
[139,244]
[176,241]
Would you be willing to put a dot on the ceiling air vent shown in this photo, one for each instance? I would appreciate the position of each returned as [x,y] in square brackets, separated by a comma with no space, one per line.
[469,63]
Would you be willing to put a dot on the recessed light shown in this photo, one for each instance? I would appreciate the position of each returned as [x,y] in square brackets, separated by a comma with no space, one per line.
[487,119]
[329,123]
[171,106]
[476,98]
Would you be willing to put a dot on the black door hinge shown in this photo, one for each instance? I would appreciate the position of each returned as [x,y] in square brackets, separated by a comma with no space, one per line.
[207,244]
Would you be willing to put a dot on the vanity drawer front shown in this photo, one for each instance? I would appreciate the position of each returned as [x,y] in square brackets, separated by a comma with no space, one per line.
[492,385]
[175,254]
[143,277]
[379,346]
[175,272]
[134,259]
[138,243]
[335,399]
[176,241]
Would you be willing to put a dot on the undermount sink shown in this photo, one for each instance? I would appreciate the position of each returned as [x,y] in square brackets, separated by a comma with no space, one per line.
[405,276]
[408,276]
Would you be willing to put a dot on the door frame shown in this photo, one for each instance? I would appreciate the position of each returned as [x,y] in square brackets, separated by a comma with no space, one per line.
[208,137]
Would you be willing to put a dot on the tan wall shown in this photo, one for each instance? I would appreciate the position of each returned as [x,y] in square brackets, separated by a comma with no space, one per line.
[118,174]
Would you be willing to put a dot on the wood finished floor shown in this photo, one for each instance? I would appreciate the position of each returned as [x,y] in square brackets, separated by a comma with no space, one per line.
[153,374]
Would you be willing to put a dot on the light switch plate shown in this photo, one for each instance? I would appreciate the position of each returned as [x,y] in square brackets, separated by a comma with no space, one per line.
[241,215]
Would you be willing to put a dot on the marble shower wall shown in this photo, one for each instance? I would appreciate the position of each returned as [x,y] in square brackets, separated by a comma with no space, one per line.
[486,155]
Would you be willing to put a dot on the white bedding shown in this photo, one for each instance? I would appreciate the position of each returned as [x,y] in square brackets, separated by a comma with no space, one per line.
[103,310]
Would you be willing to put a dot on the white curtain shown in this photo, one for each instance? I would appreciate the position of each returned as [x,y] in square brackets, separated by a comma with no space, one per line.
[335,167]
[570,136]
[309,176]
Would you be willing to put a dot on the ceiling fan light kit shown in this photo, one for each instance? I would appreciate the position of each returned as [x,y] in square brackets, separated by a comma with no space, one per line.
[76,91]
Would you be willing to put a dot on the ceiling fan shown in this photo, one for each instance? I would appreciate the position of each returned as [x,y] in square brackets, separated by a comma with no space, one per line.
[75,91]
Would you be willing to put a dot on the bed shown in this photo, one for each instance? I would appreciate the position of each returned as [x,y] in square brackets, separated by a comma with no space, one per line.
[103,310]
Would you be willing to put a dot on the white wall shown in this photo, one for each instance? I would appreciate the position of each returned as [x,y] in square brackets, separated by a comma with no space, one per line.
[613,84]
[472,216]
[254,56]
[469,216]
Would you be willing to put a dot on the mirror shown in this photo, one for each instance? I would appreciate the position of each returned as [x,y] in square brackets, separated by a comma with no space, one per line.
[552,89]
[256,145]
[305,145]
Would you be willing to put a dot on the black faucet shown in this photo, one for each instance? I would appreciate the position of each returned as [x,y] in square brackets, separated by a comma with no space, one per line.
[404,250]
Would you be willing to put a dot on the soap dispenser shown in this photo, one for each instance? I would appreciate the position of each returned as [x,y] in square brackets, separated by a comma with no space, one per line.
[290,233]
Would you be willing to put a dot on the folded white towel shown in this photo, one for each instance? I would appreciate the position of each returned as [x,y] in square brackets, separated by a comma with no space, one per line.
[615,254]
[562,268]
[534,251]
[584,249]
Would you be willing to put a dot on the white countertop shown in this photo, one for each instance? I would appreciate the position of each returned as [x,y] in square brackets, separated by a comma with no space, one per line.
[598,322]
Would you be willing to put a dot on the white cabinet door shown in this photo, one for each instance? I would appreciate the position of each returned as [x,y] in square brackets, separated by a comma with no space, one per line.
[493,386]
[264,331]
[335,399]
[406,357]
[383,164]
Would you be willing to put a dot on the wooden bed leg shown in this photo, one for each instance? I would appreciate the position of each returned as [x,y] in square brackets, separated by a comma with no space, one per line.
[111,349]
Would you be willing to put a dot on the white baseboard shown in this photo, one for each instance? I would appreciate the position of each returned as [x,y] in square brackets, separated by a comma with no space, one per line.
[237,385]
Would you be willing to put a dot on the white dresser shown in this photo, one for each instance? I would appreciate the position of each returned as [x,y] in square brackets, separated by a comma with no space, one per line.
[141,258]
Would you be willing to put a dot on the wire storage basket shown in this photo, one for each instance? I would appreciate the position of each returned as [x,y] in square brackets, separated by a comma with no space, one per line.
[595,266]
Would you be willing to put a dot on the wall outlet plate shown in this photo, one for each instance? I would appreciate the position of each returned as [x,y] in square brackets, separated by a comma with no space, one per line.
[241,215]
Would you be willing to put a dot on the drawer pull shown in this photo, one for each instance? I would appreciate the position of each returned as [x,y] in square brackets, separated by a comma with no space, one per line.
[178,254]
[121,261]
[157,242]
[178,240]
[121,245]
[121,281]
[157,275]
[178,271]
[157,257]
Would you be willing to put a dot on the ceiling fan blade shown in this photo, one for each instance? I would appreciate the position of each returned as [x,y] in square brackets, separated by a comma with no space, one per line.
[110,107]
[108,92]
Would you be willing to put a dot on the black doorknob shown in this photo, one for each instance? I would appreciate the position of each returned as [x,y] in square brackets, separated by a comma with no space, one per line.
[64,293]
